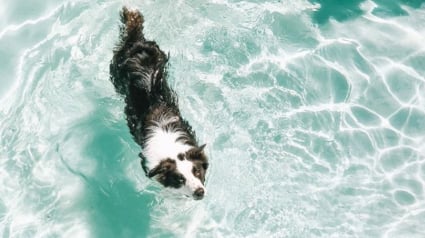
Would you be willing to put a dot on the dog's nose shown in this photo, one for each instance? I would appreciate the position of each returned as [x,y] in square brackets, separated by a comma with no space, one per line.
[199,193]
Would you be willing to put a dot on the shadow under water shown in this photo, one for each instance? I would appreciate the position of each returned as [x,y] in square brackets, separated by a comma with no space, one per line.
[115,207]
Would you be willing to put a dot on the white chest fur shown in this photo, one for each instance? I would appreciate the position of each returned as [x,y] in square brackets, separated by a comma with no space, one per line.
[161,145]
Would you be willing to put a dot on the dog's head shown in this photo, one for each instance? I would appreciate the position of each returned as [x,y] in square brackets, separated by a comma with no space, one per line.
[186,172]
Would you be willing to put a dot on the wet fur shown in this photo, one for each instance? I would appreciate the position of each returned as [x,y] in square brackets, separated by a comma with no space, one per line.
[139,73]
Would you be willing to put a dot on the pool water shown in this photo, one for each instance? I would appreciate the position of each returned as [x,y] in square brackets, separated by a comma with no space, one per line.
[313,113]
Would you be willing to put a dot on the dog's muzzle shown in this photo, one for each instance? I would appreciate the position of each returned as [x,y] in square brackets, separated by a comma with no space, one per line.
[199,194]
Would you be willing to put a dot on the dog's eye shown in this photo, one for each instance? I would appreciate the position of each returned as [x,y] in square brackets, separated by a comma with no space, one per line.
[180,156]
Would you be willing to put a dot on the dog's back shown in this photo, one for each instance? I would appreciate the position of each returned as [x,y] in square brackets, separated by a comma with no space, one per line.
[138,72]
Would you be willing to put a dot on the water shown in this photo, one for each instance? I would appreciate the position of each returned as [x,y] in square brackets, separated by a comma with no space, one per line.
[313,112]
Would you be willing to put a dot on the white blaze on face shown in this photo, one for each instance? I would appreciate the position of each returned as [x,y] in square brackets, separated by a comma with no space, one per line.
[185,167]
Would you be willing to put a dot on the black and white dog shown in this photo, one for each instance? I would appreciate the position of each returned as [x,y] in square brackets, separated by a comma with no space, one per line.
[170,151]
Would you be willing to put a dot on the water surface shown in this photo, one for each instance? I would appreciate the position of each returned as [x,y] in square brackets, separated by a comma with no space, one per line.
[313,112]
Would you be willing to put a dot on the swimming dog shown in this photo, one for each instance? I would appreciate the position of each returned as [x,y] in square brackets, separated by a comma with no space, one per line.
[170,151]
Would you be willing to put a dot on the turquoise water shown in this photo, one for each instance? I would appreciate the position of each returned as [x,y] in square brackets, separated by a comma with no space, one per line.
[313,111]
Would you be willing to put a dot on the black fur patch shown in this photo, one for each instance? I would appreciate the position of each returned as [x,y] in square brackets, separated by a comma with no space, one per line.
[199,160]
[167,174]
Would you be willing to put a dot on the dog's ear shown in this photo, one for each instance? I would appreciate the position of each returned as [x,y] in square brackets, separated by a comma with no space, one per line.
[163,167]
[196,153]
[201,148]
[155,171]
[205,163]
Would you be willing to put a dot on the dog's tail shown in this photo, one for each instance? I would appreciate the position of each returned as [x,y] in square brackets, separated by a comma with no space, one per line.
[131,33]
[136,61]
[132,29]
[138,69]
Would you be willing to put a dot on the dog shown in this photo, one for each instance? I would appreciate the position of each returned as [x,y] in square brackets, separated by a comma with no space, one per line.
[170,151]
